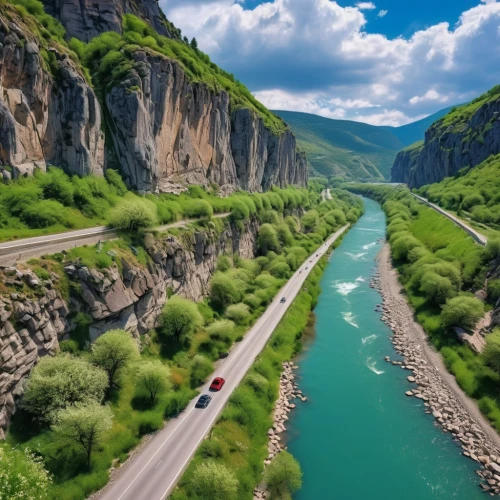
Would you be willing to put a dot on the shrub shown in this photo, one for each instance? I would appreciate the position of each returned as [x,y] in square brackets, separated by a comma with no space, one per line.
[494,290]
[214,481]
[491,352]
[437,288]
[224,290]
[178,320]
[221,330]
[280,270]
[201,368]
[283,476]
[493,248]
[268,239]
[239,313]
[472,200]
[43,213]
[462,311]
[131,215]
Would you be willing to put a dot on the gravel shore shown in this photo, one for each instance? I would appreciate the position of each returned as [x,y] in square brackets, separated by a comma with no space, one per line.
[430,382]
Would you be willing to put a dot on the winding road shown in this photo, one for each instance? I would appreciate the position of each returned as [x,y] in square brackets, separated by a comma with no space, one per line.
[476,236]
[12,252]
[154,471]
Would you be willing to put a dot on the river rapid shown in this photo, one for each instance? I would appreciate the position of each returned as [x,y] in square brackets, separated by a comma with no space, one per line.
[358,436]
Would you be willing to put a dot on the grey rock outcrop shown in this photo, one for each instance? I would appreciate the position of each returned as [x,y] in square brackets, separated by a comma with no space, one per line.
[44,121]
[448,150]
[167,129]
[131,298]
[86,19]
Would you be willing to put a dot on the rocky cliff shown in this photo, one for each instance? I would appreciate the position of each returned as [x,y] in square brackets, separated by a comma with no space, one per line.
[86,19]
[48,111]
[34,315]
[161,127]
[464,138]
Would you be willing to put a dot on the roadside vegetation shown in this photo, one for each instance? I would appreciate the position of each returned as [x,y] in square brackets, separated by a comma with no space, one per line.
[441,268]
[473,194]
[87,407]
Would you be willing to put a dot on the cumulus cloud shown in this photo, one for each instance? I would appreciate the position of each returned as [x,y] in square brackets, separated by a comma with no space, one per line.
[316,56]
[366,6]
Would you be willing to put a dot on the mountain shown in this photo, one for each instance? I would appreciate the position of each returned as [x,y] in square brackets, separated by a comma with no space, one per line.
[463,138]
[128,92]
[352,150]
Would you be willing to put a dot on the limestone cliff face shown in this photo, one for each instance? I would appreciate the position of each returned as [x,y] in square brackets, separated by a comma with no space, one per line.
[448,150]
[45,119]
[33,320]
[167,129]
[86,19]
[405,164]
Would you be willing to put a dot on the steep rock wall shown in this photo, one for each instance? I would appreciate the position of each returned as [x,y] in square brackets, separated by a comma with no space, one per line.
[405,163]
[167,129]
[86,19]
[448,150]
[33,320]
[44,121]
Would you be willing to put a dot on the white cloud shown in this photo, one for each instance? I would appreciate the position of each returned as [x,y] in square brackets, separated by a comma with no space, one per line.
[315,56]
[366,6]
[382,13]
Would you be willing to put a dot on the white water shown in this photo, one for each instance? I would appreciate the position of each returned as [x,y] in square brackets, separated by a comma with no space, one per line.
[369,339]
[350,318]
[372,365]
[345,288]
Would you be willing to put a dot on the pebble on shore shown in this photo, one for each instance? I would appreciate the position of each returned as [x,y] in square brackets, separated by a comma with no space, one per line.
[438,400]
[288,392]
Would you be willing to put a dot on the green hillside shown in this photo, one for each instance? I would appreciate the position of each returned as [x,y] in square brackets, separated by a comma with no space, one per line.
[353,150]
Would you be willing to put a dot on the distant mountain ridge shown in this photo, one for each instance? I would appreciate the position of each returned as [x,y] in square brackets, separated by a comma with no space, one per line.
[353,150]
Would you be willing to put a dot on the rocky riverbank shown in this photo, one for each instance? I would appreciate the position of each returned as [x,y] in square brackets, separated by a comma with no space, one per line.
[451,408]
[289,391]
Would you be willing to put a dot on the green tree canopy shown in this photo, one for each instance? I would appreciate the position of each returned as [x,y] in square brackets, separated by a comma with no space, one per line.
[224,290]
[239,313]
[268,239]
[60,381]
[179,319]
[310,221]
[154,378]
[221,330]
[22,475]
[214,481]
[85,425]
[437,288]
[113,351]
[491,352]
[462,311]
[283,476]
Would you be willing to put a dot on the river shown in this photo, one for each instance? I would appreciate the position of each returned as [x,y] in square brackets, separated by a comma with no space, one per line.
[358,436]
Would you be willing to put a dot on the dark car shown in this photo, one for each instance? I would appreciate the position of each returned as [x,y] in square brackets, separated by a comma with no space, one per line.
[217,384]
[203,401]
[283,300]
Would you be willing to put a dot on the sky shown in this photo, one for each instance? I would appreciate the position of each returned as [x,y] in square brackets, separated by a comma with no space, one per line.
[386,62]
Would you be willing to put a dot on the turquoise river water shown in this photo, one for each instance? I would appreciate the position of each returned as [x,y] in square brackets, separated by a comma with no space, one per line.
[358,436]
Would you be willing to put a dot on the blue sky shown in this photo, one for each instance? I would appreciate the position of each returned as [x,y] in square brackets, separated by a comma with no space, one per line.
[383,62]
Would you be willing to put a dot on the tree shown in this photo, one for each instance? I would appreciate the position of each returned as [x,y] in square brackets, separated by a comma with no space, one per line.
[22,475]
[179,318]
[221,330]
[283,476]
[493,248]
[84,424]
[132,214]
[285,236]
[491,352]
[310,221]
[194,44]
[437,288]
[58,382]
[113,351]
[462,311]
[239,313]
[214,481]
[268,239]
[224,290]
[153,377]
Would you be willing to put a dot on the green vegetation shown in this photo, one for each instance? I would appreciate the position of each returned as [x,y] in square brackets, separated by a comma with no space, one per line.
[439,266]
[458,117]
[109,58]
[214,481]
[283,476]
[473,195]
[143,389]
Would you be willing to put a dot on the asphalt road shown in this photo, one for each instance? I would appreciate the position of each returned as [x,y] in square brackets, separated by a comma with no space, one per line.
[15,251]
[153,473]
[476,235]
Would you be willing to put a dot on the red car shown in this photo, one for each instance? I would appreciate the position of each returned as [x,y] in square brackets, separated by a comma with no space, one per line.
[217,384]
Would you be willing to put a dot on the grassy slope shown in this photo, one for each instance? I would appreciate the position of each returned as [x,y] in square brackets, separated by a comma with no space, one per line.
[349,149]
[473,195]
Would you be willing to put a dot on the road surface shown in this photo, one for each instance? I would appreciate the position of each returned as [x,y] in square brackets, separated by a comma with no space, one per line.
[153,473]
[15,251]
[477,236]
